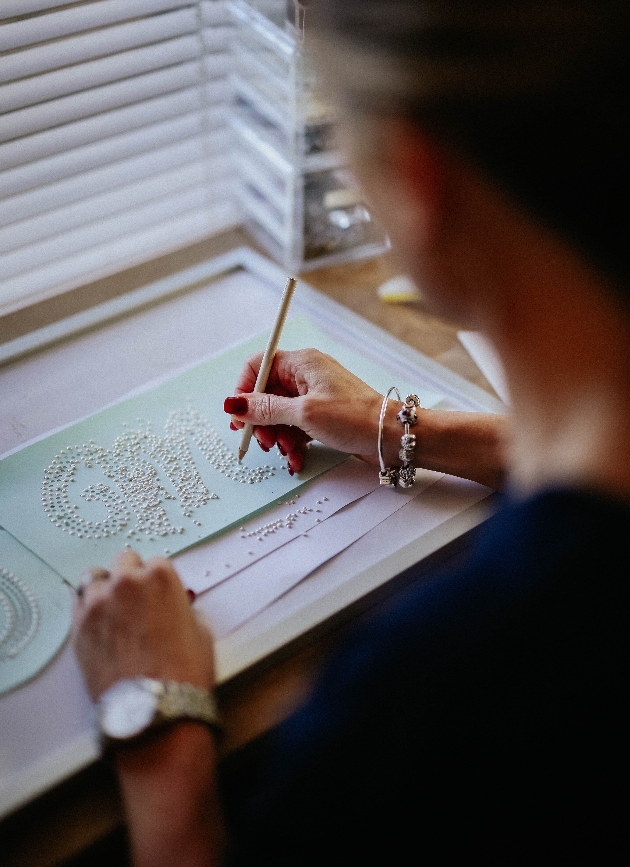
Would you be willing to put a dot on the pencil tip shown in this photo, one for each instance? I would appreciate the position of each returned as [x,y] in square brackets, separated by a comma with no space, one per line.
[241,455]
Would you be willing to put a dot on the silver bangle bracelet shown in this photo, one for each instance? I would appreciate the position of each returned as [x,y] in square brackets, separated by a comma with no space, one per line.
[407,416]
[387,475]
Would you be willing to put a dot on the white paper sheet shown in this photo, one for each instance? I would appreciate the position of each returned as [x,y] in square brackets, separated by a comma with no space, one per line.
[217,560]
[355,571]
[485,357]
[235,601]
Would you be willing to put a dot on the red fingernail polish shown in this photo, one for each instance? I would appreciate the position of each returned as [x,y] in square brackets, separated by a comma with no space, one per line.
[264,448]
[233,426]
[235,405]
[290,471]
[191,595]
[282,451]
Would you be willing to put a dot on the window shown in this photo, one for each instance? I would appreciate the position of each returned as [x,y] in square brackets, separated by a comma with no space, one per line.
[114,147]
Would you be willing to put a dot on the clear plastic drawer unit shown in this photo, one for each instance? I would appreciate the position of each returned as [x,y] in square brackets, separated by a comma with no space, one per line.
[295,193]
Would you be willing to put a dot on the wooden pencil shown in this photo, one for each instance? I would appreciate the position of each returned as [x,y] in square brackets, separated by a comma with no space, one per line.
[268,357]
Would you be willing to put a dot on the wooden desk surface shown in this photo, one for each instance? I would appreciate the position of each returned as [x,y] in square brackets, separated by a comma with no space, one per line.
[59,826]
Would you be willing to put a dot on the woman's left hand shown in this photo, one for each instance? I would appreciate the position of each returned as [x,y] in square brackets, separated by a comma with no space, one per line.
[137,621]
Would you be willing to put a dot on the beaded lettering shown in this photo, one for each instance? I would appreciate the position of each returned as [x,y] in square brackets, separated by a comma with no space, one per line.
[131,465]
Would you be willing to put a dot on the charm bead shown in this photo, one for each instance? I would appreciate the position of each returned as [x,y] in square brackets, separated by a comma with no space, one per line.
[407,416]
[406,476]
[388,477]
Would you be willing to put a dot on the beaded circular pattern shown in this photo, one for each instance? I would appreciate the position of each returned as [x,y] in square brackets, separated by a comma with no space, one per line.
[35,613]
[19,615]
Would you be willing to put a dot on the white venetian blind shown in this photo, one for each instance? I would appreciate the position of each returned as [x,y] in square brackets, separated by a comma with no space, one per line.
[113,141]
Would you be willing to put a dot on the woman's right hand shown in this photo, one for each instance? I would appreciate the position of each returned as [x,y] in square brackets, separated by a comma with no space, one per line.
[309,396]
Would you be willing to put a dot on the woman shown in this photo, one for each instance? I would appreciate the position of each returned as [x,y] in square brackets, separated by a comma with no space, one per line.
[480,716]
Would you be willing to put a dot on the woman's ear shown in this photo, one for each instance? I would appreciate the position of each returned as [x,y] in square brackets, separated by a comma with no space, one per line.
[418,173]
[402,174]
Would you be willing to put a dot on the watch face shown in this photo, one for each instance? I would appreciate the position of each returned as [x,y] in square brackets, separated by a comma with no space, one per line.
[127,709]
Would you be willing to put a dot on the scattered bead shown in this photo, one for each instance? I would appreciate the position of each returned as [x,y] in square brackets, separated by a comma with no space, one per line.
[287,522]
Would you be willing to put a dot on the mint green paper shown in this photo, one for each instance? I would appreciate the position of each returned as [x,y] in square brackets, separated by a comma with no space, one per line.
[98,497]
[52,611]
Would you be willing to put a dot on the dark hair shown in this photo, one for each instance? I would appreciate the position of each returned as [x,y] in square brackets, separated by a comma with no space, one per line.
[536,93]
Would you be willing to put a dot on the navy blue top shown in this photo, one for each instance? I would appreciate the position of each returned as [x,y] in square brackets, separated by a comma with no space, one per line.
[480,716]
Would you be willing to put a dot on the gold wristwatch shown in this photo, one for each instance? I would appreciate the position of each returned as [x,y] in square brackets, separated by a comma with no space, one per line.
[134,707]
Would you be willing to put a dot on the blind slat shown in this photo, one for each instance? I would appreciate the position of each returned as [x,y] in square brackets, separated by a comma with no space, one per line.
[67,109]
[41,28]
[23,178]
[109,123]
[216,65]
[88,46]
[89,210]
[218,90]
[73,189]
[13,8]
[124,252]
[214,12]
[217,38]
[73,135]
[27,91]
[131,219]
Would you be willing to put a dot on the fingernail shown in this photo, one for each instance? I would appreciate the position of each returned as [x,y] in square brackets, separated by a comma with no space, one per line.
[235,405]
[191,595]
[282,451]
[233,426]
[291,472]
[264,448]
